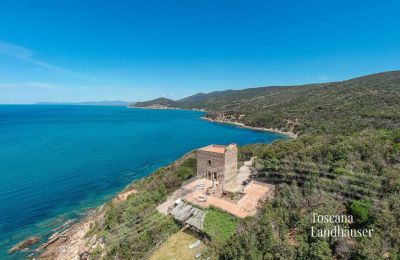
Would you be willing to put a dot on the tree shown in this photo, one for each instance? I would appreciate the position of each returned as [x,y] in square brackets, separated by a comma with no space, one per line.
[361,211]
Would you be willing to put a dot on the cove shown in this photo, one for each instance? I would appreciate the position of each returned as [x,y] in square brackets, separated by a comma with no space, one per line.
[58,161]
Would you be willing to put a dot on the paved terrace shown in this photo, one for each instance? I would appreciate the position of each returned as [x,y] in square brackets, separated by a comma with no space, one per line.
[246,206]
[235,184]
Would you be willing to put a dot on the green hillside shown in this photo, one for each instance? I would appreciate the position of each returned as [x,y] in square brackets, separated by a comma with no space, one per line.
[325,174]
[346,160]
[366,102]
[339,107]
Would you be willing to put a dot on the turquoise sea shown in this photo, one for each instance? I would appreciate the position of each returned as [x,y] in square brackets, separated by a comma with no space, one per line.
[56,162]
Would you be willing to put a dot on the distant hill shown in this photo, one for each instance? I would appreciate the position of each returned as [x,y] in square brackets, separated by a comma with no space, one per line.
[366,102]
[345,160]
[94,103]
[157,103]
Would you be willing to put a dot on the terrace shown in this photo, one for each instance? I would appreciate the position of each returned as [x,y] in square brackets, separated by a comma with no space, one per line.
[197,195]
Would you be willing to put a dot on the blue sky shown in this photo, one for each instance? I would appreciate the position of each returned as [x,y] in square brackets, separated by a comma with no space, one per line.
[138,50]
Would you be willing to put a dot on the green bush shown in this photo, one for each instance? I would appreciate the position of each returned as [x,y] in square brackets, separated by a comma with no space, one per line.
[133,227]
[361,211]
[219,225]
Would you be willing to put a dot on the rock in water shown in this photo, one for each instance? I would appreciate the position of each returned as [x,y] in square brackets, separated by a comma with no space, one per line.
[24,244]
[50,241]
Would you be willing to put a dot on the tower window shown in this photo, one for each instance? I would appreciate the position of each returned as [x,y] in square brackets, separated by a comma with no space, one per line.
[209,162]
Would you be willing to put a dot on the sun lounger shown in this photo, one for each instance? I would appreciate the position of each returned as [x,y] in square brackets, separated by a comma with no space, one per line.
[195,244]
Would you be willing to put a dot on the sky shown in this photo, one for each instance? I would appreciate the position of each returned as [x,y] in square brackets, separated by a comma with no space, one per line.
[72,51]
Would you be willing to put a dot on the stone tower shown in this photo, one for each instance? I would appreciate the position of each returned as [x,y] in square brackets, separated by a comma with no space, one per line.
[217,162]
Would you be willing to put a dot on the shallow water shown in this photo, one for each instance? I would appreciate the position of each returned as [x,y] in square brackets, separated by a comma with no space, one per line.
[58,161]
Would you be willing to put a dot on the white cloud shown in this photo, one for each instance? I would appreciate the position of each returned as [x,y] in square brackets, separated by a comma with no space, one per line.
[26,55]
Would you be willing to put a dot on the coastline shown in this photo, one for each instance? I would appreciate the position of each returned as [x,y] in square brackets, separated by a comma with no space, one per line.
[291,135]
[168,108]
[74,241]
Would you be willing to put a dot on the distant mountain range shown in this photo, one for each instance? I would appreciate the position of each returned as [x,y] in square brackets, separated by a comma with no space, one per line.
[94,103]
[370,101]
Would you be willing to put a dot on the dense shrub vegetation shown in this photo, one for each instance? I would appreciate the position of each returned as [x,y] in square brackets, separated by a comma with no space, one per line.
[133,227]
[358,166]
[346,160]
[356,175]
[338,107]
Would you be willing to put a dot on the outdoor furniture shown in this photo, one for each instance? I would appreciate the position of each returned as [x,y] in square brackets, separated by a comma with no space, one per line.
[195,244]
[202,198]
[200,186]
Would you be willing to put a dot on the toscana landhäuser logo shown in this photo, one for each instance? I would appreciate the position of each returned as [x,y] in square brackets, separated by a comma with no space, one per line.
[322,226]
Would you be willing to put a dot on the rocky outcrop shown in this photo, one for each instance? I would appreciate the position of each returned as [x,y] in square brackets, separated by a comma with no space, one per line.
[123,196]
[70,243]
[50,241]
[73,243]
[24,244]
[77,242]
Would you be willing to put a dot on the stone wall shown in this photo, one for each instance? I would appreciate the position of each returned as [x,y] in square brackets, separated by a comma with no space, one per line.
[223,164]
[217,163]
[231,155]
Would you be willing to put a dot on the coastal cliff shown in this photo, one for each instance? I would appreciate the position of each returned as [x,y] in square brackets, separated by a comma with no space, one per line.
[97,233]
[345,160]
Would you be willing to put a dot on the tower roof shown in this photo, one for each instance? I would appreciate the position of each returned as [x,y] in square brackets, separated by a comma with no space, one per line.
[215,148]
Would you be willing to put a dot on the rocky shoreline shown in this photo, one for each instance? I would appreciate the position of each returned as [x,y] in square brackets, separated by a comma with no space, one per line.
[24,244]
[272,130]
[71,243]
[168,108]
[74,243]
[223,121]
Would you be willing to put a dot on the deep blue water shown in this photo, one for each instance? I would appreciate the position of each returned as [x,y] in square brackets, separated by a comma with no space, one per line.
[58,161]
